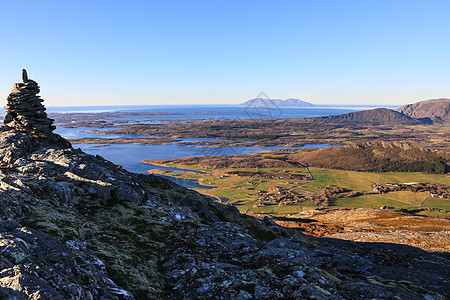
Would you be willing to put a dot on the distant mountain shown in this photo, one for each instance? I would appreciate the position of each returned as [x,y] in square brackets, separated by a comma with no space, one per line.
[377,116]
[290,102]
[438,110]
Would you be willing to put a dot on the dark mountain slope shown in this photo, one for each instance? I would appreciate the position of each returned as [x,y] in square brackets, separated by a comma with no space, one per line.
[377,157]
[378,116]
[370,156]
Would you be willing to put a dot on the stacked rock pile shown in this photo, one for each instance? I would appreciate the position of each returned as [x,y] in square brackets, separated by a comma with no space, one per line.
[24,110]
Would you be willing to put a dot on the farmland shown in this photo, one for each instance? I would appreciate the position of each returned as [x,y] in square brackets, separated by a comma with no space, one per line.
[245,191]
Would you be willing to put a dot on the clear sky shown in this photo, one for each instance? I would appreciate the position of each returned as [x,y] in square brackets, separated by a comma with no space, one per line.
[223,52]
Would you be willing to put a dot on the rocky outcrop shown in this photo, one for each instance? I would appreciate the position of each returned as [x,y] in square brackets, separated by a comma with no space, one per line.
[24,109]
[438,110]
[75,226]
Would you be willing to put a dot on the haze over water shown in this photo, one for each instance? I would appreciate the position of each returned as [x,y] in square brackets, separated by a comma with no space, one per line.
[131,155]
[177,112]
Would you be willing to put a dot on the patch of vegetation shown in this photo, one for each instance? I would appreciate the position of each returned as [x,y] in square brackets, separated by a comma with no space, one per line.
[376,157]
[443,204]
[258,191]
[436,166]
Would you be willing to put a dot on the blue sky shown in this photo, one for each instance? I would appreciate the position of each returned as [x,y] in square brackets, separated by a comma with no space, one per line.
[224,52]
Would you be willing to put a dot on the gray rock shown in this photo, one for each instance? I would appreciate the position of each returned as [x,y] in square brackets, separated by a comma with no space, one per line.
[243,295]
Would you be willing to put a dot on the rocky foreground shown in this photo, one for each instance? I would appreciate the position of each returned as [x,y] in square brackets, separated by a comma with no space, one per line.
[75,226]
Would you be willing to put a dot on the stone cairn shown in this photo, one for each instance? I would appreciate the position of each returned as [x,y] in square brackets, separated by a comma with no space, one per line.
[24,110]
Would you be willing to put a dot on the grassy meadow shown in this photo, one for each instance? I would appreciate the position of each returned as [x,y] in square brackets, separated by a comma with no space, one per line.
[243,191]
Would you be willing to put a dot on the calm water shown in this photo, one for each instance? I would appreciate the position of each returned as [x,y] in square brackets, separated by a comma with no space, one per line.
[180,112]
[188,183]
[130,156]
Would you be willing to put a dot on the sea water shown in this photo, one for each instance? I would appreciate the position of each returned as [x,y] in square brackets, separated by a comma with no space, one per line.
[131,155]
[186,112]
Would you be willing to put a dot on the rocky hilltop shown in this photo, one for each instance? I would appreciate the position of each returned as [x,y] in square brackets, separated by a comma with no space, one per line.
[438,110]
[76,226]
[290,102]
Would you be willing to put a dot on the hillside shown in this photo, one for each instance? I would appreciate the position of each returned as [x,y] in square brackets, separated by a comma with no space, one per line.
[378,157]
[370,156]
[105,229]
[438,110]
[76,226]
[377,116]
[261,102]
[74,220]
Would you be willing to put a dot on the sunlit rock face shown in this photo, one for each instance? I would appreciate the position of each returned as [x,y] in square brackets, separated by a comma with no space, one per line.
[24,109]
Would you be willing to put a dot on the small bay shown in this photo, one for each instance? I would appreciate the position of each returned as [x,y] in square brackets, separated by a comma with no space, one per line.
[131,155]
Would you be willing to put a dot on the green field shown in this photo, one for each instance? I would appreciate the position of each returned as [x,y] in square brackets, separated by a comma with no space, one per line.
[242,190]
[363,180]
[438,203]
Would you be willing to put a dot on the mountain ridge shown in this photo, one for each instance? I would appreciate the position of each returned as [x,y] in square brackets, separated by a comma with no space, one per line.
[377,116]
